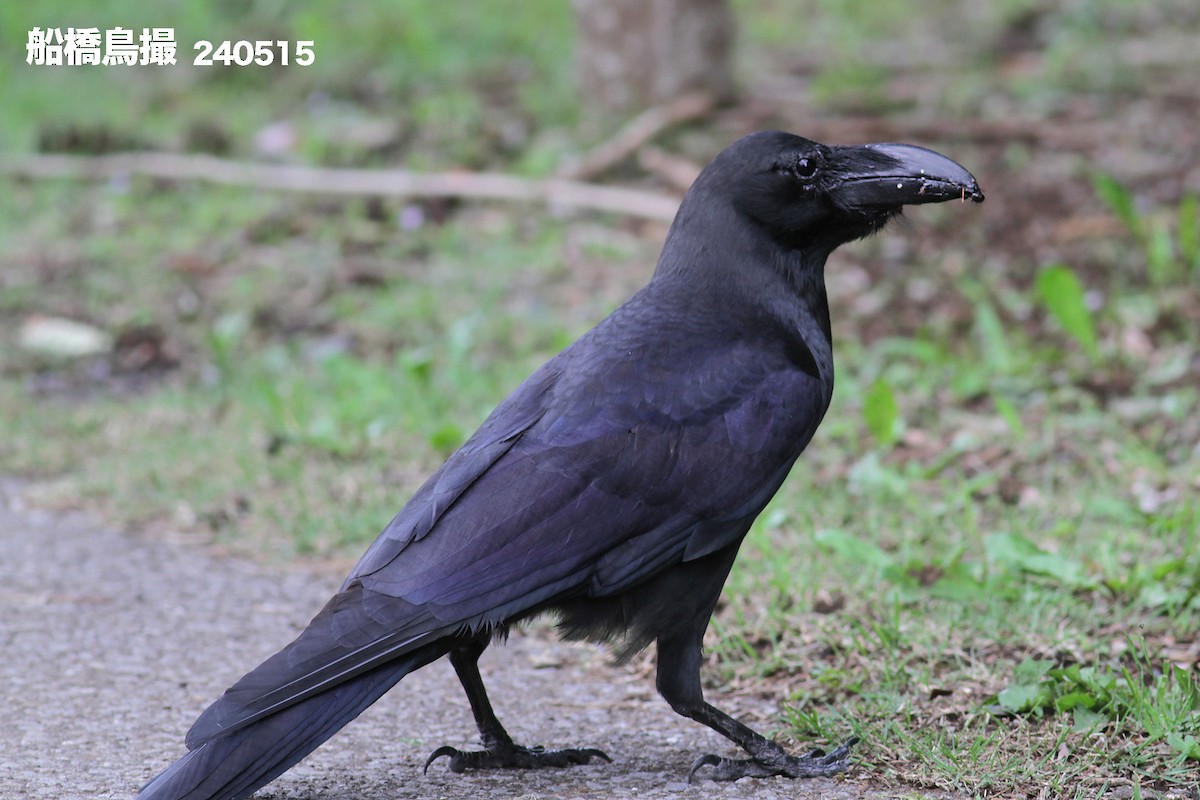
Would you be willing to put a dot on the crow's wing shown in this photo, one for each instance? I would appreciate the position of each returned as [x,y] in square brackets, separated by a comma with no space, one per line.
[623,454]
[605,467]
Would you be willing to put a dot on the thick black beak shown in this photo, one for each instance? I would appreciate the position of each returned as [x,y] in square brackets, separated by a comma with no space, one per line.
[878,176]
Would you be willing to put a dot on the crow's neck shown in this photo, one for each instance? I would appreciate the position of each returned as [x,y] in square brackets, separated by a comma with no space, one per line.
[803,271]
[751,283]
[740,267]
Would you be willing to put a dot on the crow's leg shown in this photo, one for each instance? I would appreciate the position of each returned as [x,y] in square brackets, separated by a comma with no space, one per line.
[499,751]
[679,655]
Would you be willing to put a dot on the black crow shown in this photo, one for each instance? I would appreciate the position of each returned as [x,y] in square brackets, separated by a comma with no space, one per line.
[612,488]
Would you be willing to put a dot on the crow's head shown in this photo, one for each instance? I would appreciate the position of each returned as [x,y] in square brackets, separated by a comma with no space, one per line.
[803,193]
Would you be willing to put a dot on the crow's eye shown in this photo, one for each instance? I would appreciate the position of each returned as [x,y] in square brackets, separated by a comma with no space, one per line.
[805,167]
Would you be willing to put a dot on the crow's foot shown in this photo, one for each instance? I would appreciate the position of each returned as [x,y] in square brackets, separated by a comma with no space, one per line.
[814,764]
[512,756]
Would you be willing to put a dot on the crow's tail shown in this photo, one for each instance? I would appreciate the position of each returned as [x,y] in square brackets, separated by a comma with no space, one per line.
[233,766]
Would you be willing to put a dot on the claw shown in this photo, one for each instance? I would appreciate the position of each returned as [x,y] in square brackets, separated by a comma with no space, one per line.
[839,752]
[445,750]
[816,763]
[709,760]
[592,752]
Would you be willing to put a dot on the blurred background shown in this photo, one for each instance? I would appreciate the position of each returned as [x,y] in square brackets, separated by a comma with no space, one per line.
[987,564]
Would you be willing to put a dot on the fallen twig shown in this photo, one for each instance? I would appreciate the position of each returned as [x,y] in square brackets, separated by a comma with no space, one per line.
[637,132]
[677,171]
[326,180]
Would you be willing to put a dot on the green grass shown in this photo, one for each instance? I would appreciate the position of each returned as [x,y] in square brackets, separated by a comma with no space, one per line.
[988,563]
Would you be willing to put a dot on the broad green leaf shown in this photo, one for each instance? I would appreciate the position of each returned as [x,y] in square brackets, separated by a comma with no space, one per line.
[1008,412]
[1016,552]
[1188,233]
[1062,294]
[1160,255]
[1120,200]
[1073,700]
[1188,746]
[957,582]
[990,330]
[852,549]
[446,437]
[1032,670]
[1085,719]
[881,413]
[417,363]
[1021,698]
[869,472]
[1009,549]
[1052,565]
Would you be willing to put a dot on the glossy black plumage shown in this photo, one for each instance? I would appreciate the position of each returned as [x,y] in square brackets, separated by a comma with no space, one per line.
[612,487]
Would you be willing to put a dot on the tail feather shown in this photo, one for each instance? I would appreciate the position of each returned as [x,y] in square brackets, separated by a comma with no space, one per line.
[356,632]
[234,766]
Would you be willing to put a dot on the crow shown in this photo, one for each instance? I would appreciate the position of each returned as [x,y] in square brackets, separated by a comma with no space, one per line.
[612,488]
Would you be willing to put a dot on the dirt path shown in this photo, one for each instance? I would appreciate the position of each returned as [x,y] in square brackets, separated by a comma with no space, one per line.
[112,644]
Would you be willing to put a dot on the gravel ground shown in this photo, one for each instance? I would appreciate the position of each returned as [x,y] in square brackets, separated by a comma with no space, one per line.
[113,643]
